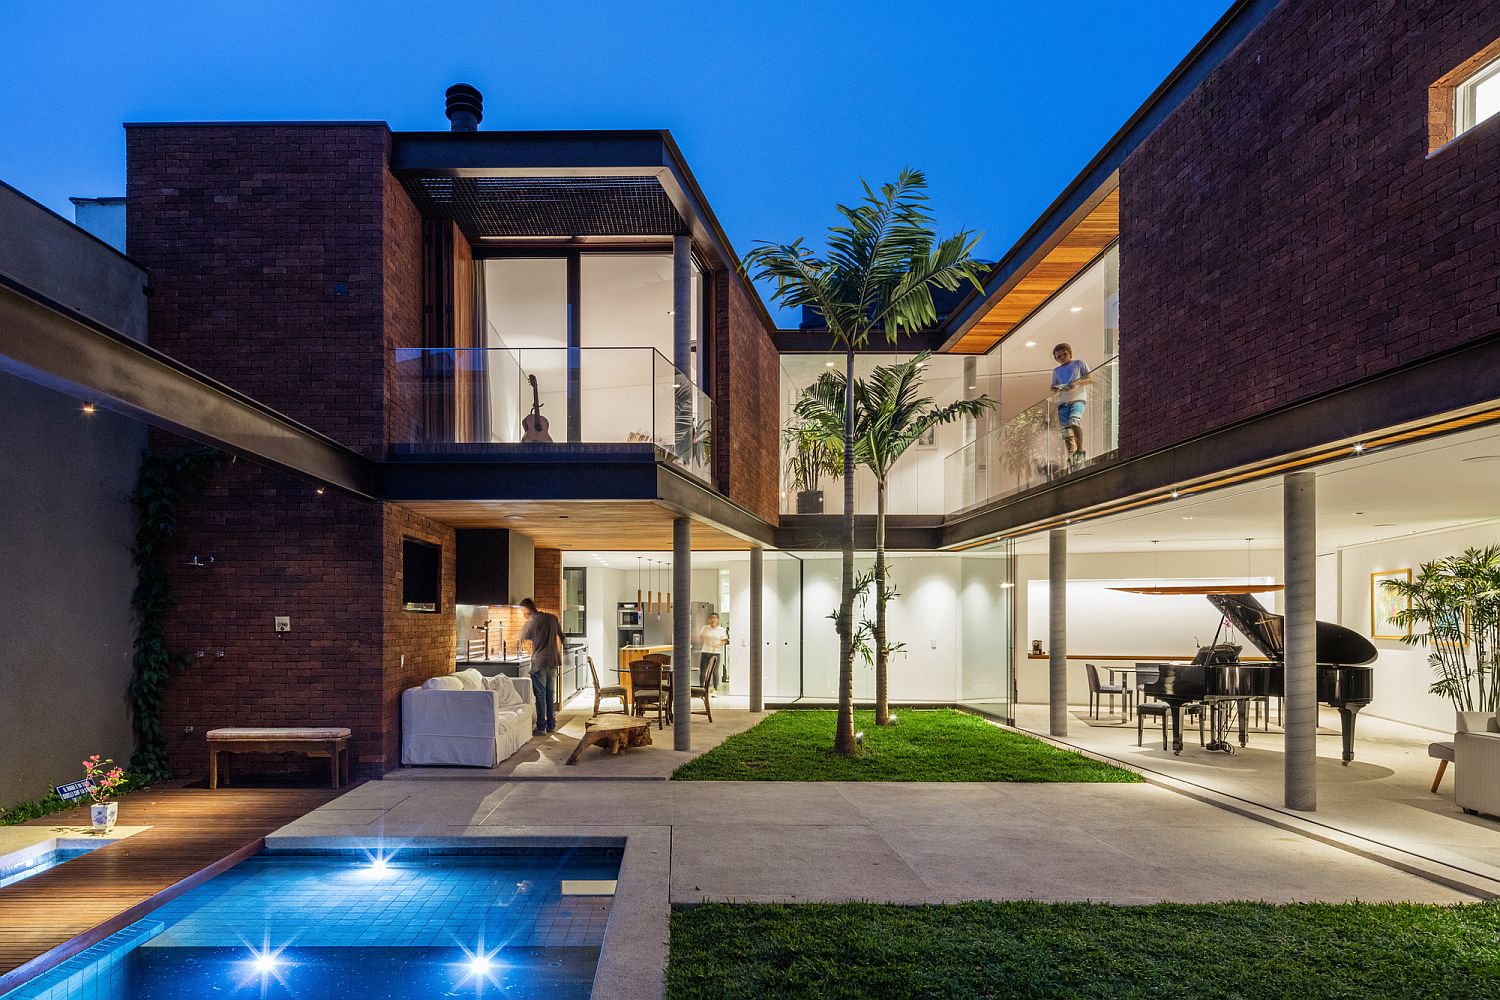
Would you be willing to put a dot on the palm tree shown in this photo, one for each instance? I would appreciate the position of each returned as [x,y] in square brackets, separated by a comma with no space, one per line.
[890,415]
[881,265]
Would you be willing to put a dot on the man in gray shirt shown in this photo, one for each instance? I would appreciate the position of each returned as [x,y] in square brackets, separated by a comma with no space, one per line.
[544,632]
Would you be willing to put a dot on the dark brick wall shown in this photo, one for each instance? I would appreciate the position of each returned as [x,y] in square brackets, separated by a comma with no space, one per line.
[747,461]
[333,565]
[402,288]
[278,548]
[1285,232]
[265,248]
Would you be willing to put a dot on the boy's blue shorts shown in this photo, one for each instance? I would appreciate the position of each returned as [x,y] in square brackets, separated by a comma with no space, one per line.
[1071,414]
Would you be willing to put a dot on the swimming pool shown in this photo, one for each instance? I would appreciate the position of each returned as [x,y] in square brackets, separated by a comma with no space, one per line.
[14,868]
[517,923]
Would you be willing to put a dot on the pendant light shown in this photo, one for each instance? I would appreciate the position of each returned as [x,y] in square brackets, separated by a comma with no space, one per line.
[638,602]
[668,582]
[658,588]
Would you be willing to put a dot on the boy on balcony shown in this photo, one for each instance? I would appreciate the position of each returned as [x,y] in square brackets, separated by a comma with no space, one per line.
[1070,381]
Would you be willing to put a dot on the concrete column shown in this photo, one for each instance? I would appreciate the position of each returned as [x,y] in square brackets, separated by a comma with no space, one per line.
[757,634]
[1057,619]
[682,672]
[1299,544]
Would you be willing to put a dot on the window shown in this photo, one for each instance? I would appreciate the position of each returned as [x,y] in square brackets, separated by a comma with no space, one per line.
[1478,97]
[421,575]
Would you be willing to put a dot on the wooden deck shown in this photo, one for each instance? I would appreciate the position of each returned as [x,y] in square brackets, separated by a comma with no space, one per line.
[194,835]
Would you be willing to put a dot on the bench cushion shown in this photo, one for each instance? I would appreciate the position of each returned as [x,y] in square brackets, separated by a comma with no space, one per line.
[267,734]
[1440,751]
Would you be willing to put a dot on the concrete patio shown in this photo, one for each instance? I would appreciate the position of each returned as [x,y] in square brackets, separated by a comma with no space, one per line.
[1384,797]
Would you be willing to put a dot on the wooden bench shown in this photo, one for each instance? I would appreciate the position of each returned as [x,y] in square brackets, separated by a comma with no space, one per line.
[331,742]
[613,733]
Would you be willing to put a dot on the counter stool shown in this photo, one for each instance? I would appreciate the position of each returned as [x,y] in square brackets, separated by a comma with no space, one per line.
[1443,753]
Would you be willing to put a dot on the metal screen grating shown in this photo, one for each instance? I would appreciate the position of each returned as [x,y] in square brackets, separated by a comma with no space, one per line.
[548,206]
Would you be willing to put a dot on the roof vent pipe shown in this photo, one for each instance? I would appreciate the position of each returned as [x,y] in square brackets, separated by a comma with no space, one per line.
[465,108]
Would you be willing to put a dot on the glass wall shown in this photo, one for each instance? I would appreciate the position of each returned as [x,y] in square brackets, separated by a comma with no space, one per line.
[952,616]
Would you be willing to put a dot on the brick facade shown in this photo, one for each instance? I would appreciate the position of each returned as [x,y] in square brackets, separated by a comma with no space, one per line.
[1285,231]
[748,379]
[330,563]
[265,245]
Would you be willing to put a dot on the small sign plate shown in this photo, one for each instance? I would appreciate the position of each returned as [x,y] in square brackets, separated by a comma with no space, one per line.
[74,790]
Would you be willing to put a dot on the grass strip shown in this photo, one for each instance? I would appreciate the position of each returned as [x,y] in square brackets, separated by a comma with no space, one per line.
[1083,950]
[921,745]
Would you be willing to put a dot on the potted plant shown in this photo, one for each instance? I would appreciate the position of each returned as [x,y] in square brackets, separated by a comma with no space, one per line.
[810,455]
[104,782]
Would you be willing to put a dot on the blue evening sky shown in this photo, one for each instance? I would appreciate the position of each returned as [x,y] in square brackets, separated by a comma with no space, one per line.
[779,108]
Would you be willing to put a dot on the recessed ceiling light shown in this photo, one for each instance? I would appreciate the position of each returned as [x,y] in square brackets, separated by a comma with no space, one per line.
[828,364]
[1030,343]
[1483,458]
[1358,513]
[1385,524]
[1359,449]
[1187,517]
[515,517]
[1076,309]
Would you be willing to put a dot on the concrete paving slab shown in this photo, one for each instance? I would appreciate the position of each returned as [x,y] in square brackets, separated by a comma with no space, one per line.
[773,862]
[705,803]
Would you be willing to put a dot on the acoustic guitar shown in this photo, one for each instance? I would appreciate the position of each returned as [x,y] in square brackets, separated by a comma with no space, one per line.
[534,425]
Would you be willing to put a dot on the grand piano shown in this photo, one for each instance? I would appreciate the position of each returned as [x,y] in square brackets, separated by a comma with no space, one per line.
[1217,675]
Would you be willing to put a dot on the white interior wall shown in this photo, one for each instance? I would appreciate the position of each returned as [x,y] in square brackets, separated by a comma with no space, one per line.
[1104,622]
[1402,674]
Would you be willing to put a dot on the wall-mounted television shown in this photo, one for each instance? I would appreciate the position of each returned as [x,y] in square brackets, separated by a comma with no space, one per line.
[421,576]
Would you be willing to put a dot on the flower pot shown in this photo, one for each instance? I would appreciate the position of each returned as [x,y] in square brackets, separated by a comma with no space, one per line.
[104,815]
[809,501]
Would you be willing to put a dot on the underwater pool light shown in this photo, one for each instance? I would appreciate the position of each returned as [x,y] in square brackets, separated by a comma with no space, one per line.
[479,965]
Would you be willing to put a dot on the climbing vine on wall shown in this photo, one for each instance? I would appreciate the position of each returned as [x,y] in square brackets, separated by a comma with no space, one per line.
[168,477]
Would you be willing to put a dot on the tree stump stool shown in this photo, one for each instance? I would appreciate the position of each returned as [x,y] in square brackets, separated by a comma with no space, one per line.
[613,733]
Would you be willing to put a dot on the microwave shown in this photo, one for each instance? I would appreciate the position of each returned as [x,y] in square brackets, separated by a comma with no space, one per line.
[630,618]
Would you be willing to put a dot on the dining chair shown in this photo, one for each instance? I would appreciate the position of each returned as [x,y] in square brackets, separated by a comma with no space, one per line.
[647,691]
[613,691]
[1098,691]
[708,682]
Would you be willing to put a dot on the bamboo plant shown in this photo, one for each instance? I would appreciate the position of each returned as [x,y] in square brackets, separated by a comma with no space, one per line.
[1453,611]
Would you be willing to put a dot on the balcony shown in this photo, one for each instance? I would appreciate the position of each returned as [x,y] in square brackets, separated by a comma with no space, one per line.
[1026,450]
[591,395]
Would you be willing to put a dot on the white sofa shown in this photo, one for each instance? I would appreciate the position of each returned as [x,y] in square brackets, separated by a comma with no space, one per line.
[1476,763]
[466,719]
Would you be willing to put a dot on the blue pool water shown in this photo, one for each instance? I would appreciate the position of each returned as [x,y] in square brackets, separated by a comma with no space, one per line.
[11,874]
[336,926]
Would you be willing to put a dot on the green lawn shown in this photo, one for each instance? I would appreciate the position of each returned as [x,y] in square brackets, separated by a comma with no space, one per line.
[1078,950]
[925,745]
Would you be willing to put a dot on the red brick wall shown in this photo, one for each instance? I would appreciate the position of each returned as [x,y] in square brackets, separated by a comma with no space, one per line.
[402,288]
[748,380]
[1284,232]
[548,588]
[265,247]
[417,645]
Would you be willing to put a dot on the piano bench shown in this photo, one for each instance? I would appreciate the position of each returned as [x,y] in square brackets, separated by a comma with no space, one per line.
[1443,754]
[1155,709]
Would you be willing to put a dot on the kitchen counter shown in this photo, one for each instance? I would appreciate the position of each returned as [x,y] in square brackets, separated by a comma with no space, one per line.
[510,666]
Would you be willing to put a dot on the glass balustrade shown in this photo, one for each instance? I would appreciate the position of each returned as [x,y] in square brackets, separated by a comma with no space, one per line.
[591,395]
[1028,449]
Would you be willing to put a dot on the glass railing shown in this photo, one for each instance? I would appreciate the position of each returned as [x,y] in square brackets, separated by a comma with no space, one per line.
[1028,449]
[592,395]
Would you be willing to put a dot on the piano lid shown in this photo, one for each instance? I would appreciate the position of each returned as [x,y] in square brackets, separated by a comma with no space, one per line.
[1336,644]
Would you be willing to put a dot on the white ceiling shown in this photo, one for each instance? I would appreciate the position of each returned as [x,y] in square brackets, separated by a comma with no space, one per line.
[1378,495]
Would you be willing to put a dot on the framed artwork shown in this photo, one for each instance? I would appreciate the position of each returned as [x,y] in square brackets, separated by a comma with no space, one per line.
[1462,639]
[1384,605]
[929,439]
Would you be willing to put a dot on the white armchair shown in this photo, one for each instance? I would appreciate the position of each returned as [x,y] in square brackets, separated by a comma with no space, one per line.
[1476,763]
[466,720]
